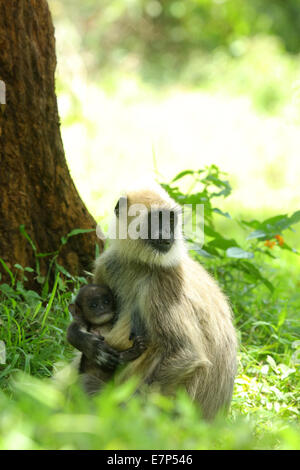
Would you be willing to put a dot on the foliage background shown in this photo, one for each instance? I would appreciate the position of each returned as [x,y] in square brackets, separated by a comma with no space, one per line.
[160,88]
[194,83]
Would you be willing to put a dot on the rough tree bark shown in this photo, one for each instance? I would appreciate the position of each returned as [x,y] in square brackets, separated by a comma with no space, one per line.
[35,186]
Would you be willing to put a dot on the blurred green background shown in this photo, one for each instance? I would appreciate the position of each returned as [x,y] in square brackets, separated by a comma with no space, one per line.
[146,86]
[154,88]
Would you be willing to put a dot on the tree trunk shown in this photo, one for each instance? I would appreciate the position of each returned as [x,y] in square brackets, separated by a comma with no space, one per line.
[36,188]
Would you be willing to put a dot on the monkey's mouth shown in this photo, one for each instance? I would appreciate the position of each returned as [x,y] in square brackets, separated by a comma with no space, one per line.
[104,318]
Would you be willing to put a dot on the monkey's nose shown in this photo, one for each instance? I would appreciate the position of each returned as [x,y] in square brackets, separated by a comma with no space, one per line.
[162,244]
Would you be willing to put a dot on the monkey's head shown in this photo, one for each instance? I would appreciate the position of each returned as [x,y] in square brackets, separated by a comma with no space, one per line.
[94,305]
[148,228]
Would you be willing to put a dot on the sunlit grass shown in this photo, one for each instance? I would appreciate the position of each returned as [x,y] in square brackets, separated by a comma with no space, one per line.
[53,414]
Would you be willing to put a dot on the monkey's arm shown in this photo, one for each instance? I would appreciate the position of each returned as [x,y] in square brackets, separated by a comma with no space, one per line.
[92,346]
[100,275]
[137,326]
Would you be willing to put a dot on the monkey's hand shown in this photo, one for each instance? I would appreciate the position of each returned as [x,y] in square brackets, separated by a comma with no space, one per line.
[103,355]
[139,346]
[93,347]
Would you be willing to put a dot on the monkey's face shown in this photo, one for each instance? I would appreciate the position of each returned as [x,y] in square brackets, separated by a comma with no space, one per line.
[94,304]
[161,229]
[149,228]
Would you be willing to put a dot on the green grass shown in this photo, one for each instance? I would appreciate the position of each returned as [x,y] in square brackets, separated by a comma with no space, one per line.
[42,412]
[34,336]
[43,407]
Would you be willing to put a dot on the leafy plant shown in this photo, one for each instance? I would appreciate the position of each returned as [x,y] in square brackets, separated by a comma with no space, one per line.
[33,324]
[53,263]
[228,254]
[58,416]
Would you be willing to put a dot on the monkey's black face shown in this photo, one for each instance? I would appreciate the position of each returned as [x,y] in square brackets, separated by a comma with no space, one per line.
[156,227]
[96,303]
[99,304]
[161,230]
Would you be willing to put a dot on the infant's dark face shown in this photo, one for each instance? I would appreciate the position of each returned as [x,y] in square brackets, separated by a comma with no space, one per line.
[96,304]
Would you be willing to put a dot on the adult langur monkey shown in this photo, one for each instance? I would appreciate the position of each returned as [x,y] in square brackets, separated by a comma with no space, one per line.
[167,297]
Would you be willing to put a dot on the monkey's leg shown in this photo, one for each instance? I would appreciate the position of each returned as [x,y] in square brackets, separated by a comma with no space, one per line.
[91,383]
[175,370]
[93,347]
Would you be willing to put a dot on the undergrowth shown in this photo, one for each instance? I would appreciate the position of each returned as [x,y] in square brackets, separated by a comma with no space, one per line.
[43,408]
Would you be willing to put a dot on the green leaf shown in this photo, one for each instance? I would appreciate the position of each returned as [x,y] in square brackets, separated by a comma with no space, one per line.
[204,253]
[256,234]
[29,270]
[236,252]
[182,174]
[64,271]
[211,250]
[254,273]
[211,232]
[281,318]
[7,290]
[277,224]
[8,271]
[252,223]
[275,219]
[44,255]
[48,308]
[223,243]
[18,266]
[76,231]
[25,234]
[287,247]
[63,240]
[225,214]
[272,363]
[295,218]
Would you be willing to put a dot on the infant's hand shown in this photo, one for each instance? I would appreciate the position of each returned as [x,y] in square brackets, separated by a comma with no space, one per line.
[103,355]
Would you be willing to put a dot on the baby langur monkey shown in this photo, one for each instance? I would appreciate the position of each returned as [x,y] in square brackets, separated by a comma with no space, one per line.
[94,313]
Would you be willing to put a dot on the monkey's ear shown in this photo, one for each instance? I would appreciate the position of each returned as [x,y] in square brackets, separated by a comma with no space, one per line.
[117,208]
[121,202]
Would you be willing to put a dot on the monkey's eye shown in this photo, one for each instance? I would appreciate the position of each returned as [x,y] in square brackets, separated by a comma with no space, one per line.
[106,300]
[94,304]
